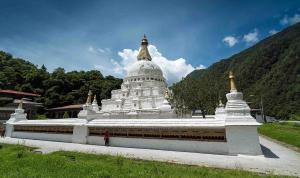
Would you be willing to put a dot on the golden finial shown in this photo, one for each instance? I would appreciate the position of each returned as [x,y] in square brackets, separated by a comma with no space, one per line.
[144,53]
[232,83]
[20,104]
[166,93]
[144,40]
[89,98]
[220,103]
[95,99]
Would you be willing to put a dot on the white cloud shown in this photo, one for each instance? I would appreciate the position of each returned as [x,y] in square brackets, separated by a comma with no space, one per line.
[290,20]
[251,37]
[230,41]
[91,49]
[273,31]
[201,67]
[99,50]
[118,68]
[173,70]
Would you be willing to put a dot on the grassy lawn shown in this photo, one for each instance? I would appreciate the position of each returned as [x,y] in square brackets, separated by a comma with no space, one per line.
[19,161]
[282,131]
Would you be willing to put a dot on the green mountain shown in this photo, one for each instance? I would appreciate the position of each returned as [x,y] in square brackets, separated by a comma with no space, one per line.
[269,70]
[57,88]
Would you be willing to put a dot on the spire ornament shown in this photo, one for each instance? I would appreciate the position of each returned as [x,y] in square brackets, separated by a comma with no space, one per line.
[21,104]
[166,93]
[144,53]
[220,103]
[95,100]
[232,83]
[89,98]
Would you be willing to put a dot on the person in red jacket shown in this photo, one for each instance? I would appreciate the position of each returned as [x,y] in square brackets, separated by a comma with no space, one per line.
[106,138]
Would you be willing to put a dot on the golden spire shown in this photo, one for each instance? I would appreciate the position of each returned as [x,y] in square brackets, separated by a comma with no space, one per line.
[232,83]
[20,104]
[89,98]
[144,53]
[220,103]
[166,93]
[95,99]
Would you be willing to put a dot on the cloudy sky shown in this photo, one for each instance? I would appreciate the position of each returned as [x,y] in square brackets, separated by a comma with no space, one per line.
[105,35]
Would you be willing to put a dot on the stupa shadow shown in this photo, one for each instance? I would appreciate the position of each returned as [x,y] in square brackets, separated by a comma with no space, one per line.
[267,152]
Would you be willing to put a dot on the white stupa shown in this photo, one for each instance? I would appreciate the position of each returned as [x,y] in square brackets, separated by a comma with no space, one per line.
[142,93]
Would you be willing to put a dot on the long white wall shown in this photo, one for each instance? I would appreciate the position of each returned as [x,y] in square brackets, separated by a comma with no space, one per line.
[163,144]
[43,136]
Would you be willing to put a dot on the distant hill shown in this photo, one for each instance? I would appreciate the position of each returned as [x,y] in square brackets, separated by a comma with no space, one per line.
[57,88]
[270,69]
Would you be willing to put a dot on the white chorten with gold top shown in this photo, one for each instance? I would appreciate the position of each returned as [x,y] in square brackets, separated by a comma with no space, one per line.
[142,93]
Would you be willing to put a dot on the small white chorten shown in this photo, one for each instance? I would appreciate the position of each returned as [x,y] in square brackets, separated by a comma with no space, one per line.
[241,127]
[87,112]
[220,111]
[95,104]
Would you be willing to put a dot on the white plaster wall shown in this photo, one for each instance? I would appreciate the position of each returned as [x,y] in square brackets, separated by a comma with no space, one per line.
[243,140]
[146,92]
[80,133]
[146,104]
[43,136]
[95,140]
[155,91]
[163,144]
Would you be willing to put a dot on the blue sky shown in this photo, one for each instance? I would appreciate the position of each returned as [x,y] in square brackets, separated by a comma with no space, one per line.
[105,35]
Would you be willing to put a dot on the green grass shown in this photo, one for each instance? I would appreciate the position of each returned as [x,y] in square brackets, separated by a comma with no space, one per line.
[19,161]
[282,131]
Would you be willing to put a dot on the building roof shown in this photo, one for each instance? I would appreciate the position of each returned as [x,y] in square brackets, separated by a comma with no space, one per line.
[7,109]
[17,101]
[18,93]
[73,106]
[125,123]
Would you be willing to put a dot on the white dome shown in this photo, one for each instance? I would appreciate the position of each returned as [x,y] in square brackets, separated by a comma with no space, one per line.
[143,67]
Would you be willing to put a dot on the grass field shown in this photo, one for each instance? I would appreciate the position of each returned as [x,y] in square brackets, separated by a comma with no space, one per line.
[282,131]
[19,161]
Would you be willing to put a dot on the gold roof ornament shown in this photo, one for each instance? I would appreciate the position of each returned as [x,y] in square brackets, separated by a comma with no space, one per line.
[89,98]
[95,99]
[144,53]
[21,104]
[220,103]
[166,94]
[232,83]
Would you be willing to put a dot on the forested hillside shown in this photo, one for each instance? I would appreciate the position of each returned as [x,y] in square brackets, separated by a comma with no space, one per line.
[57,88]
[269,70]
